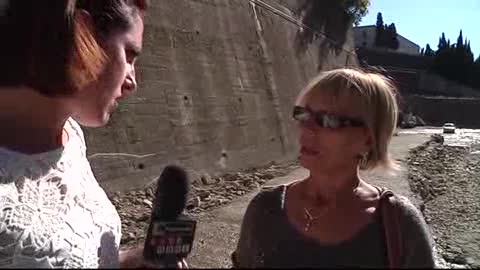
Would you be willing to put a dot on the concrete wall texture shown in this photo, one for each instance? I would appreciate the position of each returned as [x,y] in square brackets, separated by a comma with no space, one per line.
[436,111]
[433,82]
[215,76]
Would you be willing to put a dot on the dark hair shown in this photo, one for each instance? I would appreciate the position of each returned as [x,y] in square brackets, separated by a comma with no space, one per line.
[44,47]
[112,15]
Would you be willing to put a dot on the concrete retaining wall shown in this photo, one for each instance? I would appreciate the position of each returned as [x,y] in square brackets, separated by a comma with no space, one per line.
[215,76]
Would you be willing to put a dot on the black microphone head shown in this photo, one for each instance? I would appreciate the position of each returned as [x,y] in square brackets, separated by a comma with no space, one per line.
[171,193]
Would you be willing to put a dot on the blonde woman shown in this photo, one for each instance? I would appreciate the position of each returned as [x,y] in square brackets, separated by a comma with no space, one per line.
[346,120]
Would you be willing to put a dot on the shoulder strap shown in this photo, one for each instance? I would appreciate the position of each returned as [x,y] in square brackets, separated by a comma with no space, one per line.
[391,226]
[233,257]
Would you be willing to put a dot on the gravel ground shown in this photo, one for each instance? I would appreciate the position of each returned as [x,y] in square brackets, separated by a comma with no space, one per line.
[446,178]
[206,193]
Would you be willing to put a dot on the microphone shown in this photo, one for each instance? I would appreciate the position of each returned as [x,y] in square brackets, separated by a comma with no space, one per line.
[170,232]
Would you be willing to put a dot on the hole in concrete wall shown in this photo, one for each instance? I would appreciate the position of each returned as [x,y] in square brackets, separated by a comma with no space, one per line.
[185,98]
[240,100]
[140,166]
[224,154]
[198,32]
[272,139]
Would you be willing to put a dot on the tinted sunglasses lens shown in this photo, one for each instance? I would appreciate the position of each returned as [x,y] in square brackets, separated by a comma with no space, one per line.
[331,121]
[300,114]
[325,120]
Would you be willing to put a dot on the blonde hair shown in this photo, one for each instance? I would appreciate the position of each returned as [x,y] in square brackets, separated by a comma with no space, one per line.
[375,95]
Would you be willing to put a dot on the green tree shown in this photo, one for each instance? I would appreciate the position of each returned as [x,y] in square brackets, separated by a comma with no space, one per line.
[355,9]
[392,41]
[331,18]
[462,59]
[385,35]
[443,57]
[460,40]
[475,77]
[442,43]
[468,54]
[456,61]
[428,51]
[379,31]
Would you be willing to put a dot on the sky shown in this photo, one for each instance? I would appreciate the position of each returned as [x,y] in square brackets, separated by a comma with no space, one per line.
[423,21]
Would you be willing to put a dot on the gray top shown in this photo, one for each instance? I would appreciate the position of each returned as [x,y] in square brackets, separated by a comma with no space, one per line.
[268,239]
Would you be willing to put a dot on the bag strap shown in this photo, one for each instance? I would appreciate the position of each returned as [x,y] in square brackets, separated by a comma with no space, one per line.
[233,257]
[391,226]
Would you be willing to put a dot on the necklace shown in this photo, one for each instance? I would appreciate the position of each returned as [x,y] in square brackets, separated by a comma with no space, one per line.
[311,219]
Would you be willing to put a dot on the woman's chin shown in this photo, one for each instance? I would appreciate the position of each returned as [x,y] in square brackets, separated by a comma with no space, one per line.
[93,122]
[308,162]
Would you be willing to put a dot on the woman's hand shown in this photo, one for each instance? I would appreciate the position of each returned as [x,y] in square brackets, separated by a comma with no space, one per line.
[182,264]
[133,258]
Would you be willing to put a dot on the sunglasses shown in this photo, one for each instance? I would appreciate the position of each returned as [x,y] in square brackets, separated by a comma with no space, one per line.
[325,120]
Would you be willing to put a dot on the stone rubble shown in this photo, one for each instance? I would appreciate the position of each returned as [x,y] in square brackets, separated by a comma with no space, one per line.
[206,192]
[446,178]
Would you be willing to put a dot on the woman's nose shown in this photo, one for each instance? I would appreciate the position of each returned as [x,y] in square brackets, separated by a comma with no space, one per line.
[308,125]
[129,85]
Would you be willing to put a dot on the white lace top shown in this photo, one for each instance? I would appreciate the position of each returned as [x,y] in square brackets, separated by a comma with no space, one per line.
[53,213]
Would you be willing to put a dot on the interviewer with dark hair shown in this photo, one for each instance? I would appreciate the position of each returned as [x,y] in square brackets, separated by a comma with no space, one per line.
[65,63]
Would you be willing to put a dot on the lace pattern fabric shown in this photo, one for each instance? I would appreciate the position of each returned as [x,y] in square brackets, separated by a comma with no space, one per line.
[53,213]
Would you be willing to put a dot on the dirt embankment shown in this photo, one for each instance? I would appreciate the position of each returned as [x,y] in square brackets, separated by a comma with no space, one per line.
[447,179]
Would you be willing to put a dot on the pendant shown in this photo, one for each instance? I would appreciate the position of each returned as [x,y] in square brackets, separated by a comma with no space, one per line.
[309,218]
[307,225]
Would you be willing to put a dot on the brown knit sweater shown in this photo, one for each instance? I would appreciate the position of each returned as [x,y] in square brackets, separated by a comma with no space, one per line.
[268,240]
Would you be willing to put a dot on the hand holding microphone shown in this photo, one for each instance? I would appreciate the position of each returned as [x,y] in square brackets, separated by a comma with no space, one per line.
[170,233]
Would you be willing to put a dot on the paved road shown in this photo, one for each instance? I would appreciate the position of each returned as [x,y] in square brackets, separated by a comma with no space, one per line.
[218,230]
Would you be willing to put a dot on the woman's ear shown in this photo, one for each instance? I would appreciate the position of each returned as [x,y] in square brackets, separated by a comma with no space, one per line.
[367,142]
